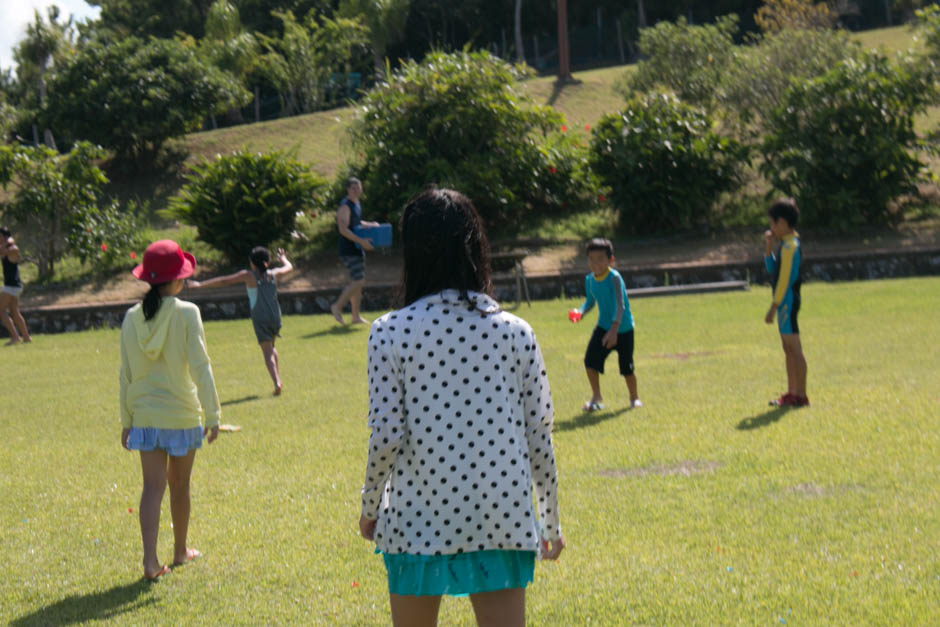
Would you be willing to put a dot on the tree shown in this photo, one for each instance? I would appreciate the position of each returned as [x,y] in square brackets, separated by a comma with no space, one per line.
[228,46]
[45,48]
[778,15]
[153,18]
[385,20]
[301,61]
[689,60]
[57,205]
[132,96]
[460,120]
[844,144]
[246,199]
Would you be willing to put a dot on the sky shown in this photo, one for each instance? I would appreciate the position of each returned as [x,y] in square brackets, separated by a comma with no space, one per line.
[16,14]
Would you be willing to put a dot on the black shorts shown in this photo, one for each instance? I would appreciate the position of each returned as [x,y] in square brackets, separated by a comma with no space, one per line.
[596,353]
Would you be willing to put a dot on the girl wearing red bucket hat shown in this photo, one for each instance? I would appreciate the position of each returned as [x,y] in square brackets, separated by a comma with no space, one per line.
[166,383]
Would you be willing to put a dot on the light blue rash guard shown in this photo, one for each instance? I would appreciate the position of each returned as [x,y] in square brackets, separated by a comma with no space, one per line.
[610,294]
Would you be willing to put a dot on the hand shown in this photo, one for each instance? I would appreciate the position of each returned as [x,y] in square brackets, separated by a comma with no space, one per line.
[551,551]
[125,433]
[367,244]
[769,318]
[192,283]
[210,434]
[610,338]
[768,241]
[281,255]
[367,527]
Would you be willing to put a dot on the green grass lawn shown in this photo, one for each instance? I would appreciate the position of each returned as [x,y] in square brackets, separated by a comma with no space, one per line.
[703,507]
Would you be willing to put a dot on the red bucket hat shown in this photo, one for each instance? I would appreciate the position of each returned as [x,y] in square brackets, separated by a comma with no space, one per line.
[165,261]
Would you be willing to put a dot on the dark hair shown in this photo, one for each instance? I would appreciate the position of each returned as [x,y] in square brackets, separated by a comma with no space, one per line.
[352,180]
[5,231]
[152,300]
[444,246]
[260,257]
[599,243]
[785,208]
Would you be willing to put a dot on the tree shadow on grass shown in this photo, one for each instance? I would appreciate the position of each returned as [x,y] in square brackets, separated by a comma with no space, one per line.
[337,330]
[762,420]
[589,419]
[237,401]
[81,608]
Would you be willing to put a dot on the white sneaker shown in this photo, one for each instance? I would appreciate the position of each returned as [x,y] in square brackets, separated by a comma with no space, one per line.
[636,403]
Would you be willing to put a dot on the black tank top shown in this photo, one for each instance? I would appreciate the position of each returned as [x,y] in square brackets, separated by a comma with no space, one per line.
[11,273]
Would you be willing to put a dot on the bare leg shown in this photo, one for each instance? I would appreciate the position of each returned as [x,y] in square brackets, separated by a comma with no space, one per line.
[796,364]
[19,320]
[179,472]
[355,298]
[6,302]
[346,297]
[414,611]
[631,386]
[153,464]
[594,378]
[270,360]
[500,608]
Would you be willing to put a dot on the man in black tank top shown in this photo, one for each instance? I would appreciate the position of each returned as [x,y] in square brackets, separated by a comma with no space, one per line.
[10,315]
[351,251]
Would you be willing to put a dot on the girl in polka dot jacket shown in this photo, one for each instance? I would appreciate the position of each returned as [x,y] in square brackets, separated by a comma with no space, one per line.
[461,418]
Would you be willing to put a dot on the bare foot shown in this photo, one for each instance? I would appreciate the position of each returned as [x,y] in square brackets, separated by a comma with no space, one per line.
[12,341]
[27,339]
[360,320]
[153,575]
[189,556]
[337,314]
[278,388]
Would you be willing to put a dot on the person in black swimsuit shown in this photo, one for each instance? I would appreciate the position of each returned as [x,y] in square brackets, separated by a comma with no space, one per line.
[10,315]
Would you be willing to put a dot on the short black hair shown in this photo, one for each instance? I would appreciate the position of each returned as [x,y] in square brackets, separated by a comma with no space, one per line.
[444,245]
[786,209]
[260,256]
[599,243]
[5,231]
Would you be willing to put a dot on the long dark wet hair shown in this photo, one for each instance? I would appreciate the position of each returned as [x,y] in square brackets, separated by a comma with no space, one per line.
[444,246]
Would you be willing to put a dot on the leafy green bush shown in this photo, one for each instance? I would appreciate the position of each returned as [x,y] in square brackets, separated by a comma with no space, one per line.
[57,207]
[755,81]
[688,60]
[844,144]
[246,199]
[458,120]
[663,162]
[131,95]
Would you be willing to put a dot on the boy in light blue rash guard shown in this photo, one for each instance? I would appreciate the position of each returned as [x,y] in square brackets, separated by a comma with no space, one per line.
[784,269]
[604,285]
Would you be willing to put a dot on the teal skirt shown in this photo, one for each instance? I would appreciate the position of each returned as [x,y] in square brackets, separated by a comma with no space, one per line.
[458,574]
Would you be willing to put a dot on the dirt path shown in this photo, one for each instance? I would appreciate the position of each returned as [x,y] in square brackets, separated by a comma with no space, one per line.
[326,271]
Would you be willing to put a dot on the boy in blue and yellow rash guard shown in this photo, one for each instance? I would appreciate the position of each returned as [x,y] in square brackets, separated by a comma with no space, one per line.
[784,268]
[604,285]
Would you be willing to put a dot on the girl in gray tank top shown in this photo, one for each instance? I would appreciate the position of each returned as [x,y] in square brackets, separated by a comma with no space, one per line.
[261,284]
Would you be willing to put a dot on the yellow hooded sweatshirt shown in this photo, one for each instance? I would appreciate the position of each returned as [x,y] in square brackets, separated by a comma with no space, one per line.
[165,370]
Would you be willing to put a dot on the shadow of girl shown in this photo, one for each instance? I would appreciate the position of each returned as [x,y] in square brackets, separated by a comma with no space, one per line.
[93,606]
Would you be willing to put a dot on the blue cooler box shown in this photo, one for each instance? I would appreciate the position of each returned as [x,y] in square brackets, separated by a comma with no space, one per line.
[380,235]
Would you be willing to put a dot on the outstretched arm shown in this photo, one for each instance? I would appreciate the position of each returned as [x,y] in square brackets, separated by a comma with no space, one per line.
[242,276]
[285,266]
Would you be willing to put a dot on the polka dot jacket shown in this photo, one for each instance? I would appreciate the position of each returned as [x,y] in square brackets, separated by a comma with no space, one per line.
[461,417]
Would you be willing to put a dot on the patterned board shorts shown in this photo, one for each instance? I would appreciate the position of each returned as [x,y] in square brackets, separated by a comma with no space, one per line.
[356,264]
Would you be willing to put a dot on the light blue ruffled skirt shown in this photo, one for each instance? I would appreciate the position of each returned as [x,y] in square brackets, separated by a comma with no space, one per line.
[458,574]
[176,442]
